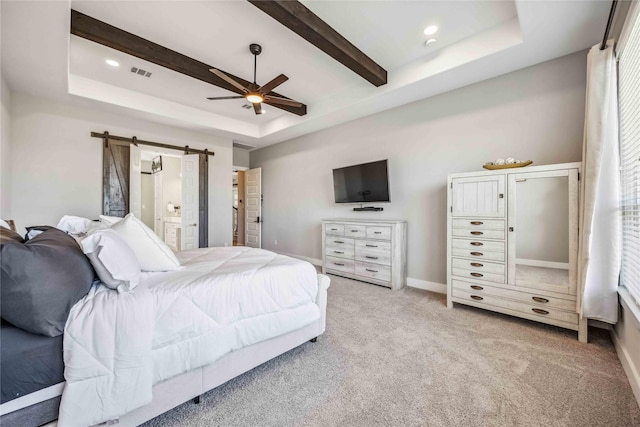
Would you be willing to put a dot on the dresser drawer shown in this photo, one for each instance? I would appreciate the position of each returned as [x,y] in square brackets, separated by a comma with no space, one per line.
[479,266]
[373,257]
[373,246]
[470,275]
[478,233]
[340,252]
[373,271]
[526,297]
[530,309]
[480,249]
[340,264]
[479,224]
[334,229]
[355,230]
[378,232]
[339,242]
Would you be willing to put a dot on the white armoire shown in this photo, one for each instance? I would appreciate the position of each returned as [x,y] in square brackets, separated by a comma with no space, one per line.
[512,243]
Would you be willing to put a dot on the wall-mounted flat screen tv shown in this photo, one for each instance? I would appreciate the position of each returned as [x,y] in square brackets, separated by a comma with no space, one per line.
[364,183]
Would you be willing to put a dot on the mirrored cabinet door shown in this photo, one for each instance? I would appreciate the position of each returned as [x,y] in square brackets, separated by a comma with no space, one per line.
[542,230]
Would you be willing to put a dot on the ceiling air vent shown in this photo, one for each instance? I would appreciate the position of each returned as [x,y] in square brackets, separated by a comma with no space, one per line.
[140,72]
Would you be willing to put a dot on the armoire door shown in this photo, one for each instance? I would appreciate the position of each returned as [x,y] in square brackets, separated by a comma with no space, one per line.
[478,196]
[543,230]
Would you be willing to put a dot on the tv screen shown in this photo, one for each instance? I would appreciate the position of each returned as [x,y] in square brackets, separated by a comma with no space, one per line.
[363,183]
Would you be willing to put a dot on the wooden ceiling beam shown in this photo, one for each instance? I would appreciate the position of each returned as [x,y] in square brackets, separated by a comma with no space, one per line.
[296,17]
[100,32]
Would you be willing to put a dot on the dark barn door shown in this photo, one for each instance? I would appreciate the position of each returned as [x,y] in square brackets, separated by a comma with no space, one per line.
[115,179]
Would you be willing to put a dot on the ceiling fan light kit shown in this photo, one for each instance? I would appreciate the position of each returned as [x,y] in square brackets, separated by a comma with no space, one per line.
[255,94]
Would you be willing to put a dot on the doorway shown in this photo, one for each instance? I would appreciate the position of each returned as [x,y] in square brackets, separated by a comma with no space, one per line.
[238,206]
[161,194]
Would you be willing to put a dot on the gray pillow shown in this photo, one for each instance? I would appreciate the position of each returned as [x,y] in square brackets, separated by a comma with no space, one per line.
[41,280]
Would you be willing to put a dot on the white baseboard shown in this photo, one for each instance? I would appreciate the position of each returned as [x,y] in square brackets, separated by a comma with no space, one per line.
[414,283]
[314,261]
[426,285]
[627,364]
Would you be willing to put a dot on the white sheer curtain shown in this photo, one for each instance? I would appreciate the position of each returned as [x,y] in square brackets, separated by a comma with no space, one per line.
[600,223]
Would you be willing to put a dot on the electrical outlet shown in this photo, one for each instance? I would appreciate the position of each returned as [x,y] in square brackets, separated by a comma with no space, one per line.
[226,244]
[275,242]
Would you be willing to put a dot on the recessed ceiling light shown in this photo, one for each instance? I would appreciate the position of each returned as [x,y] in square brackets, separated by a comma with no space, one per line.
[112,63]
[430,41]
[430,30]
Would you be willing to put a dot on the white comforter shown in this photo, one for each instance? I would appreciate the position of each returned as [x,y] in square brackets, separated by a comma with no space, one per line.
[116,346]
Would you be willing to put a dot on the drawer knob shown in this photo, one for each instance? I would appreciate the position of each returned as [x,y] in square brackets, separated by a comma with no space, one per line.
[477,253]
[371,246]
[476,287]
[540,299]
[354,231]
[477,233]
[476,297]
[339,263]
[377,232]
[338,241]
[477,264]
[334,229]
[539,311]
[476,243]
[371,257]
[370,270]
[477,274]
[476,222]
[338,252]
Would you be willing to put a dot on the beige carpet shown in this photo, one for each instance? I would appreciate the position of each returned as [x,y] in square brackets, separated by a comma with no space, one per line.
[403,359]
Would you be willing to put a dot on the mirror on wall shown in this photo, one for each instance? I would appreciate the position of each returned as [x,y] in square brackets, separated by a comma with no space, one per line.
[542,224]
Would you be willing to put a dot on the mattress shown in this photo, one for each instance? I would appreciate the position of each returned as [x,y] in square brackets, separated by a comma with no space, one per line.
[30,362]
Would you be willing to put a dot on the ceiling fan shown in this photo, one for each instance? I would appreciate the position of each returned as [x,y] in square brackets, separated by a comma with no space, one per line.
[253,93]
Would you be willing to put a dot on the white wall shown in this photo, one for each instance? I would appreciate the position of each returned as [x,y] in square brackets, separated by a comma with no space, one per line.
[5,151]
[536,113]
[241,157]
[56,167]
[626,336]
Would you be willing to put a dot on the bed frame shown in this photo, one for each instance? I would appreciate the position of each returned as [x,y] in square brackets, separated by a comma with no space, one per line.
[38,410]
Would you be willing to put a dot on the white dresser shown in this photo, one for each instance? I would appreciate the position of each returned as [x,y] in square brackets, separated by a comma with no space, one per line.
[512,243]
[172,235]
[373,251]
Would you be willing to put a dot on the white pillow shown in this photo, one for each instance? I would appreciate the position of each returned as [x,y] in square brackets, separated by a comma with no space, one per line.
[76,225]
[4,224]
[114,261]
[109,220]
[153,253]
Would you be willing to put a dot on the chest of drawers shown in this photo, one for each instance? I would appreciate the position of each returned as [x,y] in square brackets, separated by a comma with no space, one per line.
[370,251]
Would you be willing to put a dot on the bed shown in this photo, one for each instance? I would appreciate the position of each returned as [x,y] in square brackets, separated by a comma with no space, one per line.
[224,312]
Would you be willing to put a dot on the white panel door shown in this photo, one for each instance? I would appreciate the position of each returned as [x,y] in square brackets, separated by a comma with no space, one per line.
[478,196]
[190,238]
[135,181]
[158,206]
[253,207]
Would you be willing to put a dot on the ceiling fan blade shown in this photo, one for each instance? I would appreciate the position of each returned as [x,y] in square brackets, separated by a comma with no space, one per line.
[226,97]
[265,89]
[282,101]
[228,79]
[257,107]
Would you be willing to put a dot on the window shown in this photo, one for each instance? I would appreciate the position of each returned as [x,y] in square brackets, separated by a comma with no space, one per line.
[629,106]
